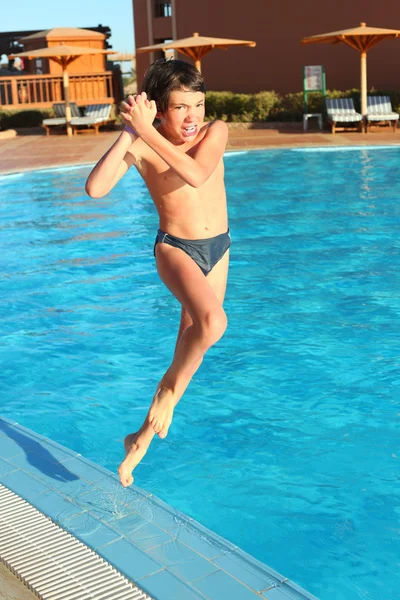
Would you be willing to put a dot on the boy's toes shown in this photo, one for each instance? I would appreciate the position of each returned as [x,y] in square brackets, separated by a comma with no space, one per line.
[164,431]
[156,425]
[127,481]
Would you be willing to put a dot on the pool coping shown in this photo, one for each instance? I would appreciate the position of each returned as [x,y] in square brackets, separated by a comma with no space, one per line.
[17,155]
[311,147]
[166,553]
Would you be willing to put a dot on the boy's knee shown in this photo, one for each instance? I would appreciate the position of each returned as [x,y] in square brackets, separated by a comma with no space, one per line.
[215,327]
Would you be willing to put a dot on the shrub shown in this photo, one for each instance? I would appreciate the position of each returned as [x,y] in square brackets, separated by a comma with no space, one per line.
[270,106]
[229,106]
[14,119]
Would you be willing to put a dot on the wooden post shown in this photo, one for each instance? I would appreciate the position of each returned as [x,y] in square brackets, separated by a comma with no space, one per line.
[14,91]
[364,88]
[66,99]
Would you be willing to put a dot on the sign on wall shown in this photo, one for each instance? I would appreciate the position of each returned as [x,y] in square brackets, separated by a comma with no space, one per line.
[314,78]
[313,81]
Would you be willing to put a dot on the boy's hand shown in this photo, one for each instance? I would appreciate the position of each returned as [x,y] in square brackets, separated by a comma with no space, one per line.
[138,111]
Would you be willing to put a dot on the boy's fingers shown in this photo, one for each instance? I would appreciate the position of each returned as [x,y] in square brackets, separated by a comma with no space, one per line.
[126,107]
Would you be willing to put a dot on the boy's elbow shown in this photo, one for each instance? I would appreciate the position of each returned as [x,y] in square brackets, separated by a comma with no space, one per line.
[195,183]
[198,179]
[93,192]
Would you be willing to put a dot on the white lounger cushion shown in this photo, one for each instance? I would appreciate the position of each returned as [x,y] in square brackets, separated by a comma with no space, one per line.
[333,116]
[55,121]
[383,117]
[95,113]
[342,109]
[379,108]
[86,120]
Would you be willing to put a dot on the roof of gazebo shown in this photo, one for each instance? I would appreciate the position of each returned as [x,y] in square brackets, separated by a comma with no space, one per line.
[64,33]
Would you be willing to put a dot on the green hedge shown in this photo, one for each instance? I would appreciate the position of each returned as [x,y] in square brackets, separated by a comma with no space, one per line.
[13,119]
[229,106]
[270,106]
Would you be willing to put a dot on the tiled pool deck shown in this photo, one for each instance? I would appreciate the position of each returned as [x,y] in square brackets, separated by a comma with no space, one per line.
[167,554]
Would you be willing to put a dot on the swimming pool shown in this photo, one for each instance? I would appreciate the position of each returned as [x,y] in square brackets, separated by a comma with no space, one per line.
[287,441]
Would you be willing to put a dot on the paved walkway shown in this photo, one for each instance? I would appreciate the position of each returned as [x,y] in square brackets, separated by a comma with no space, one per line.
[36,151]
[12,588]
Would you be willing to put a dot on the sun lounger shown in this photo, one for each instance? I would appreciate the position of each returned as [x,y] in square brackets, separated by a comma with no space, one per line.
[379,110]
[341,110]
[59,119]
[95,116]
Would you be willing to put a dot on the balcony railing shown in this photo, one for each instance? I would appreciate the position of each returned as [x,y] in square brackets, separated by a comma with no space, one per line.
[162,8]
[40,91]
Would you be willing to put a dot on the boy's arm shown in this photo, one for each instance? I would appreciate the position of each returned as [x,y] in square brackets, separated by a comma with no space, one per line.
[195,170]
[112,166]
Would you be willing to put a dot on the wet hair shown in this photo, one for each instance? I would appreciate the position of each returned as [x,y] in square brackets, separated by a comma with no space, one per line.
[165,76]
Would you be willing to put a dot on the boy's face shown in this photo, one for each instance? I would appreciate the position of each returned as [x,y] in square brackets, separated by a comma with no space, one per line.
[185,114]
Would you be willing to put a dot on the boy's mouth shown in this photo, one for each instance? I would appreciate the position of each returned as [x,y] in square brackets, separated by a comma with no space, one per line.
[189,130]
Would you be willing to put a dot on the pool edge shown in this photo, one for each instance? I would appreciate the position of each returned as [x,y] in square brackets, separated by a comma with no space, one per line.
[194,562]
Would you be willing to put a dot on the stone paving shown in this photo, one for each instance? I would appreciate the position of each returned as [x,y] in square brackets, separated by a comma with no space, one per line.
[33,150]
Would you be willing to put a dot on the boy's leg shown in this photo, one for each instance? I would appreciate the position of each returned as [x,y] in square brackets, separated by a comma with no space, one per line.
[217,279]
[213,287]
[203,322]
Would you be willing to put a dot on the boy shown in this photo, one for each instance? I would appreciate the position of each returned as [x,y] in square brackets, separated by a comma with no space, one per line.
[181,164]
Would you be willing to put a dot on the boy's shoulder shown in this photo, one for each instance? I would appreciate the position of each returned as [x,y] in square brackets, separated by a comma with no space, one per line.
[213,129]
[216,125]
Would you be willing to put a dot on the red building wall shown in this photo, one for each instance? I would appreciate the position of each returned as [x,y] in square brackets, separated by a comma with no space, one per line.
[277,27]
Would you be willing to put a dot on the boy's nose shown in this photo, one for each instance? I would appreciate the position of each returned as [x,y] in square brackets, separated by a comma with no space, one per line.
[190,115]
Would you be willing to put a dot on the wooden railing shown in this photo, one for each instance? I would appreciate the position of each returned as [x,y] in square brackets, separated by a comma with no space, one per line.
[40,91]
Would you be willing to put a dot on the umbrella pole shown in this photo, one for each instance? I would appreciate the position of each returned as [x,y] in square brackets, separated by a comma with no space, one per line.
[197,64]
[364,88]
[66,99]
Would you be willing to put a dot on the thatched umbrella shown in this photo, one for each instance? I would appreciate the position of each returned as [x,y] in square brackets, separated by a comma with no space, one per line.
[63,55]
[196,46]
[362,39]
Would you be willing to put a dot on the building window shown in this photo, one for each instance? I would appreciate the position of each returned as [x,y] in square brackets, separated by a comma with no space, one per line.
[162,8]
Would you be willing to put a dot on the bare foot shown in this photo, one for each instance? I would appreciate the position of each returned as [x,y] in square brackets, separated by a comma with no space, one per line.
[136,445]
[161,411]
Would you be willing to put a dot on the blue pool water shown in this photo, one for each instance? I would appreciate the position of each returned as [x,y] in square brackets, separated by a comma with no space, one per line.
[287,441]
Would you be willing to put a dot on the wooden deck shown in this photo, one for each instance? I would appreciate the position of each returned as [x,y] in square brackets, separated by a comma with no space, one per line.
[27,92]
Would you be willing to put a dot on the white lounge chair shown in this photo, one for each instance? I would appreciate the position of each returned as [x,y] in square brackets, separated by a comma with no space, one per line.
[59,119]
[379,110]
[341,110]
[95,116]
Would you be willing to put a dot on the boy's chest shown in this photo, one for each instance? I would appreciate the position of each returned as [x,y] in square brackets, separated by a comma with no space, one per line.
[155,171]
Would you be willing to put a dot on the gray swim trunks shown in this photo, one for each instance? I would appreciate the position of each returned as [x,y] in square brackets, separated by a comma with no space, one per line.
[205,252]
